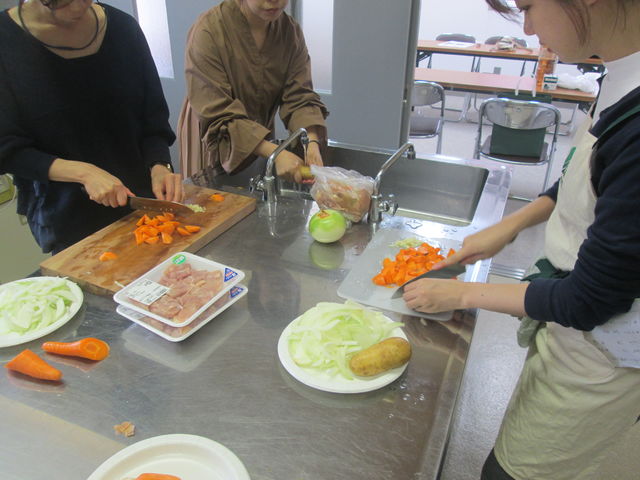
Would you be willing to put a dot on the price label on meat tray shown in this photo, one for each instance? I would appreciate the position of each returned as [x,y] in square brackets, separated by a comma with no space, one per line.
[147,291]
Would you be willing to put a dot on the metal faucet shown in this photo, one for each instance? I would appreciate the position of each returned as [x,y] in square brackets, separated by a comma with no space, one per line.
[267,184]
[379,205]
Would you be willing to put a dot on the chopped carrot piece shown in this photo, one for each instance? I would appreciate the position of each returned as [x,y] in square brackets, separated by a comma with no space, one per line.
[106,256]
[217,197]
[89,348]
[166,238]
[143,220]
[192,228]
[183,232]
[28,363]
[151,240]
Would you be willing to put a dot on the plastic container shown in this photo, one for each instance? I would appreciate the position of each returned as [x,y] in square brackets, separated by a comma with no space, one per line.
[142,294]
[547,61]
[177,334]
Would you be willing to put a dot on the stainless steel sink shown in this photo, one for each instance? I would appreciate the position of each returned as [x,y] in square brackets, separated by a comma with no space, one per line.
[437,190]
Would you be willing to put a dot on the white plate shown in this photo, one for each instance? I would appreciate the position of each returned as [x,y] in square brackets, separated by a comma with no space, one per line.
[12,339]
[177,334]
[189,457]
[359,287]
[335,384]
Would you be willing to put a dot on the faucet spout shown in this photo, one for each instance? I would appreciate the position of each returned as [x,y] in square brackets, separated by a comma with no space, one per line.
[301,132]
[267,185]
[411,154]
[377,205]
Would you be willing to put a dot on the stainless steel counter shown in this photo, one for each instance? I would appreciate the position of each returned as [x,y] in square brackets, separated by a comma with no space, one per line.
[226,383]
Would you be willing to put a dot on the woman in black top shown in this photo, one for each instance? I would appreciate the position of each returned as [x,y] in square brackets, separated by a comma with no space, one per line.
[83,123]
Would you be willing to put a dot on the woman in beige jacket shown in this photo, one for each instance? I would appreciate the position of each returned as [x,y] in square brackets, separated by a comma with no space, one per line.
[246,59]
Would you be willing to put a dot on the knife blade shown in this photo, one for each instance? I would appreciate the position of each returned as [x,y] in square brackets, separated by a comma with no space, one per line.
[448,272]
[155,205]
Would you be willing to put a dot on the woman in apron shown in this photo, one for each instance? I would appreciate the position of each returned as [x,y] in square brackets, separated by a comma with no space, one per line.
[579,390]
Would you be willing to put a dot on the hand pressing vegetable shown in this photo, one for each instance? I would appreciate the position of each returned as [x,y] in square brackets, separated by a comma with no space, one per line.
[90,348]
[385,355]
[28,363]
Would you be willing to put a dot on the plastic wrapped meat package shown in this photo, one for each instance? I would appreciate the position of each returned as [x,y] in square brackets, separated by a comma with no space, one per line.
[177,334]
[180,289]
[346,191]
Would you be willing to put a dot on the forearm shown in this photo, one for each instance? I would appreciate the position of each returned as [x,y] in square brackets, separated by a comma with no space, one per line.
[532,214]
[264,149]
[62,170]
[504,298]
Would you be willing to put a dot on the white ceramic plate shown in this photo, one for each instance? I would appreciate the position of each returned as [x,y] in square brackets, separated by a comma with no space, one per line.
[12,339]
[335,384]
[189,457]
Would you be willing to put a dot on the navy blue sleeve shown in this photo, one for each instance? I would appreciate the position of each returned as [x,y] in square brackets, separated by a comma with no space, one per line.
[552,191]
[606,277]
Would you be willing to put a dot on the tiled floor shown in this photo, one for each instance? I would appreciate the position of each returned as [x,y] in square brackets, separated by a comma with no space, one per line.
[495,359]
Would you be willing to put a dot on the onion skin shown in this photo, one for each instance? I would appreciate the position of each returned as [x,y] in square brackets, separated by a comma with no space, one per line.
[327,226]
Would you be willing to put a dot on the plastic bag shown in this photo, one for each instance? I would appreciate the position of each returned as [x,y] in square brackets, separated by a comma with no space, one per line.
[347,191]
[587,83]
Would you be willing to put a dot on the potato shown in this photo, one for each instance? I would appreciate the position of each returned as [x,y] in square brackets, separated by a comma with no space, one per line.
[385,355]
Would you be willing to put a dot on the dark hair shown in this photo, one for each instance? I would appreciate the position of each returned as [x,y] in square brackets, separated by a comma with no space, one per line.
[574,9]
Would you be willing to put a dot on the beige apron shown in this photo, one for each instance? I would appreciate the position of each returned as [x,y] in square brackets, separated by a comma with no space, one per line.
[571,402]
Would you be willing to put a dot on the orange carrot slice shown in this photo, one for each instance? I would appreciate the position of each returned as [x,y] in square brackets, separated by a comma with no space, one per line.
[217,197]
[156,476]
[106,256]
[192,228]
[90,348]
[28,363]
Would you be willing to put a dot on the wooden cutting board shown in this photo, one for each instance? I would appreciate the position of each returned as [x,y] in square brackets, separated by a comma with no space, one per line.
[80,262]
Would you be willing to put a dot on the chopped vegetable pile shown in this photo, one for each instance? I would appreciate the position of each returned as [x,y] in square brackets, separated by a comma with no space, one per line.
[409,263]
[327,335]
[33,304]
[161,228]
[196,208]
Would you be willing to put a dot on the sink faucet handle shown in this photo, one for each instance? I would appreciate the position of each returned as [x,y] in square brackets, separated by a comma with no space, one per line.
[256,184]
[389,204]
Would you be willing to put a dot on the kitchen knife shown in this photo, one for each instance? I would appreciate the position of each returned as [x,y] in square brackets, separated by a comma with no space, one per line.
[448,272]
[154,205]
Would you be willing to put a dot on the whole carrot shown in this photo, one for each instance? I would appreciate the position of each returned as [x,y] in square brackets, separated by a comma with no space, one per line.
[29,363]
[156,476]
[91,348]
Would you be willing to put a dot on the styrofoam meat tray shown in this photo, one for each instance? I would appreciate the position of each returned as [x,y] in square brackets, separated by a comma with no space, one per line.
[358,284]
[177,334]
[146,288]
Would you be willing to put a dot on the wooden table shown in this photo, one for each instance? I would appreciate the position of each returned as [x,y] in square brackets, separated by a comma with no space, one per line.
[478,82]
[428,47]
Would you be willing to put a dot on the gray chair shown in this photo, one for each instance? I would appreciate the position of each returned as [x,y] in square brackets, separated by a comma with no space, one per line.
[455,37]
[423,124]
[518,133]
[458,37]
